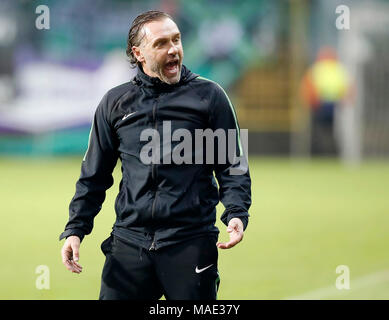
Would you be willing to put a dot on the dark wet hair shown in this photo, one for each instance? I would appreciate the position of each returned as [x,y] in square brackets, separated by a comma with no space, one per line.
[134,35]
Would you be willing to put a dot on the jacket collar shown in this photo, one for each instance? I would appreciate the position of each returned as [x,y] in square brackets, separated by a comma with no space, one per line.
[144,80]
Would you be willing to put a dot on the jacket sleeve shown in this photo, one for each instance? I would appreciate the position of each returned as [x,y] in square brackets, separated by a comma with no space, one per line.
[232,174]
[96,174]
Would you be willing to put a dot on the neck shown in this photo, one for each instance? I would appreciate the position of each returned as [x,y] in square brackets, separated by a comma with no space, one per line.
[149,72]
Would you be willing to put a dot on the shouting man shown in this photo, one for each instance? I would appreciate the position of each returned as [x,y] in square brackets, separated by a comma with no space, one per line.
[164,240]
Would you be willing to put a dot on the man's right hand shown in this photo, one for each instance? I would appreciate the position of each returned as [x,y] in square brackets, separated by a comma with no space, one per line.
[70,254]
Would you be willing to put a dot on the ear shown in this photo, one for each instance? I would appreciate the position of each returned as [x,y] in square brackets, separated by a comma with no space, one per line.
[138,54]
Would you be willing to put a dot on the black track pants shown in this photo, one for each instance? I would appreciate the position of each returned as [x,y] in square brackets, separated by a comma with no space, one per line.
[184,271]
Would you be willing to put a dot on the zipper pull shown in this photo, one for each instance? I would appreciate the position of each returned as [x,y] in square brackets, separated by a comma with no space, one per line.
[152,246]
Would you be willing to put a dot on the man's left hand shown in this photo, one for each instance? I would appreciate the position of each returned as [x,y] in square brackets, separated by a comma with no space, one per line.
[235,229]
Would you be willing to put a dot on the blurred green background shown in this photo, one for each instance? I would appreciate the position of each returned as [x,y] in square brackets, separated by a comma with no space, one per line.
[308,80]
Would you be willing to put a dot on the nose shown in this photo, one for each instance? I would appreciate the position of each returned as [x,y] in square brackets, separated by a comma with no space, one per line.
[173,50]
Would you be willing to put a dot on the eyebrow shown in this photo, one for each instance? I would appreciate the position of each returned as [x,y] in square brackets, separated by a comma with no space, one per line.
[158,40]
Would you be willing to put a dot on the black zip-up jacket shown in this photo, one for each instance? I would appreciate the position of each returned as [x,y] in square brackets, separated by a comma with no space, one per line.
[158,204]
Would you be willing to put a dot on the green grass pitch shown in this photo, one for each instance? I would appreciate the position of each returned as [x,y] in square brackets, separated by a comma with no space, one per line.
[306,219]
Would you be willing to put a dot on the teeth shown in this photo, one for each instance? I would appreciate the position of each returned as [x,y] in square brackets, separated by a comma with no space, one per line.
[172,67]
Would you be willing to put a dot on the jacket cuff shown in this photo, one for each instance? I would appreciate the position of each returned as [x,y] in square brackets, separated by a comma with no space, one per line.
[243,216]
[72,232]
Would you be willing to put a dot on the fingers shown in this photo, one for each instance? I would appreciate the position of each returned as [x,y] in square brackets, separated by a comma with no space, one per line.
[76,264]
[236,235]
[227,245]
[72,266]
[68,262]
[76,267]
[76,255]
[70,257]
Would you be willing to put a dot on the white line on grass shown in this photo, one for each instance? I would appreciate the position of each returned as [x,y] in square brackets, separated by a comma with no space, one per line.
[364,281]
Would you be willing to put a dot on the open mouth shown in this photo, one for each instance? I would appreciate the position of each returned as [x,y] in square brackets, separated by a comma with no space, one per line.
[171,67]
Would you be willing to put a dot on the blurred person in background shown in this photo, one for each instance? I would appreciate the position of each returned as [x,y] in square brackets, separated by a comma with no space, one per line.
[324,86]
[164,240]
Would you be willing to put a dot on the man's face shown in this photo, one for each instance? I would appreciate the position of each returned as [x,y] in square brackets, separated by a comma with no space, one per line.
[160,51]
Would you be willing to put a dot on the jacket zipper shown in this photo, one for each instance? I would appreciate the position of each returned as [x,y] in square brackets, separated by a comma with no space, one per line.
[152,246]
[153,176]
[153,168]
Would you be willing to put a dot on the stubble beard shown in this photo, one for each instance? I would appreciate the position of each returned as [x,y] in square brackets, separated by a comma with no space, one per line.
[157,68]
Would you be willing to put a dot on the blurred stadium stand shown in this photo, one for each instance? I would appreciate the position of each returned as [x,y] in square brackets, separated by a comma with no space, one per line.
[52,80]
